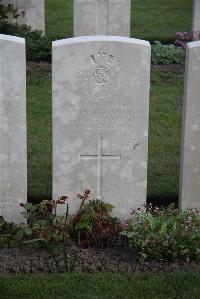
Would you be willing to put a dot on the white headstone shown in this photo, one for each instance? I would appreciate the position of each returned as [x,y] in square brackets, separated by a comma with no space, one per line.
[190,156]
[100,119]
[102,17]
[13,157]
[196,15]
[30,12]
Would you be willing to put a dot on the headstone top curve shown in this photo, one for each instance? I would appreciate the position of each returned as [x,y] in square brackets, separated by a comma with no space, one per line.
[97,38]
[12,38]
[193,44]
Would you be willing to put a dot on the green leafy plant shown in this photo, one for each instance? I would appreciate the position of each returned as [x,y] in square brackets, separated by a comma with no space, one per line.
[8,232]
[167,54]
[94,222]
[44,226]
[167,234]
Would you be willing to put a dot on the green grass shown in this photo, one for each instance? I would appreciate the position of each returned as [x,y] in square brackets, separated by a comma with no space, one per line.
[151,19]
[59,20]
[164,136]
[160,19]
[101,286]
[39,134]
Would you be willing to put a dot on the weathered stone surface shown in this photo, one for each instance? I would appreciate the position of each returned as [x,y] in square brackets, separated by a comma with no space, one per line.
[13,157]
[196,15]
[102,17]
[190,162]
[31,13]
[100,119]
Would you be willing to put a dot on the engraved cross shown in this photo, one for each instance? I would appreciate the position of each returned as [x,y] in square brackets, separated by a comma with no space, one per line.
[100,157]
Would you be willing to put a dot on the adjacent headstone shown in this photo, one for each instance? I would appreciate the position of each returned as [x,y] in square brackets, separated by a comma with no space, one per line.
[196,15]
[29,12]
[100,120]
[190,155]
[13,157]
[102,17]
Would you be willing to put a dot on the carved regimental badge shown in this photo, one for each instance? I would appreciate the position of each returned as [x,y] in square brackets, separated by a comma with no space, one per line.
[101,74]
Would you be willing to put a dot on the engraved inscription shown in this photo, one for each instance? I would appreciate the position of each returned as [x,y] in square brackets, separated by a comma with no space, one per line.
[101,74]
[4,123]
[109,115]
[4,126]
[7,201]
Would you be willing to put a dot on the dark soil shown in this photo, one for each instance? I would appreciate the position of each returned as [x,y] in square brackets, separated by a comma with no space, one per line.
[175,68]
[31,66]
[15,261]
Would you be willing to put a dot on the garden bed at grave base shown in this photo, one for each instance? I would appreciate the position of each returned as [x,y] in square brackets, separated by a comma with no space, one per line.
[92,260]
[152,240]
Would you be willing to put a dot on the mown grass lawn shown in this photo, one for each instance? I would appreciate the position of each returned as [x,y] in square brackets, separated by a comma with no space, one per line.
[101,286]
[39,133]
[165,133]
[151,19]
[164,136]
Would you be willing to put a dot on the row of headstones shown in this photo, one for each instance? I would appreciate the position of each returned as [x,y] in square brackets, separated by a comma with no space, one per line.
[90,17]
[100,122]
[111,17]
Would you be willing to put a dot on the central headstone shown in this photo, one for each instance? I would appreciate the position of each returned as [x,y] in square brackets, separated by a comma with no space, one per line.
[102,17]
[13,156]
[100,120]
